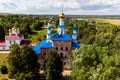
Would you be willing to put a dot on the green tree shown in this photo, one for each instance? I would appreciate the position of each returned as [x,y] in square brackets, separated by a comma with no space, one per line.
[93,62]
[25,29]
[3,69]
[53,66]
[37,25]
[2,33]
[23,61]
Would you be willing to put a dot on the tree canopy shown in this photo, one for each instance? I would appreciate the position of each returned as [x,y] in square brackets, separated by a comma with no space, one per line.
[53,66]
[23,64]
[2,33]
[93,62]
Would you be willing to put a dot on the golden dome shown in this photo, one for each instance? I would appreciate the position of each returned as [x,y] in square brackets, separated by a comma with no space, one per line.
[62,15]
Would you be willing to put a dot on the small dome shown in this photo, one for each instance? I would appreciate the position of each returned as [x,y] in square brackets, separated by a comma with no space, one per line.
[75,27]
[10,30]
[13,28]
[49,27]
[62,15]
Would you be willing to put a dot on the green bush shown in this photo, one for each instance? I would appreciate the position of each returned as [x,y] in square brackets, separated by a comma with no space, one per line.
[3,69]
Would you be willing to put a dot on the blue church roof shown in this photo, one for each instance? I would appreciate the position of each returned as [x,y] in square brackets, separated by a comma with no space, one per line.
[54,34]
[63,37]
[49,27]
[61,26]
[75,28]
[75,45]
[37,48]
[43,44]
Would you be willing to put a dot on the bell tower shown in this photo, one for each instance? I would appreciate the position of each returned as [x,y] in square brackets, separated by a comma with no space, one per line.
[48,32]
[61,26]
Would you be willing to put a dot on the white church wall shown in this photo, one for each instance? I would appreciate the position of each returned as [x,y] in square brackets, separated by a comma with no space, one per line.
[1,48]
[17,41]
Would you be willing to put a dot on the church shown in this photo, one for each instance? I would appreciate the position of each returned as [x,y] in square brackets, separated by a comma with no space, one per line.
[60,41]
[14,37]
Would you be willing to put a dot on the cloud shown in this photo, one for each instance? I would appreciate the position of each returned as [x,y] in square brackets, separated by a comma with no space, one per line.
[95,7]
[54,6]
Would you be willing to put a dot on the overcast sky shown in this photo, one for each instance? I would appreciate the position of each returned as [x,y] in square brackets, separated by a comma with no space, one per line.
[73,7]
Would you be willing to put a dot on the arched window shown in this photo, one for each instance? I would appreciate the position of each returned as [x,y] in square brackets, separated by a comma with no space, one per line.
[61,48]
[9,41]
[66,48]
[64,63]
[56,48]
[44,53]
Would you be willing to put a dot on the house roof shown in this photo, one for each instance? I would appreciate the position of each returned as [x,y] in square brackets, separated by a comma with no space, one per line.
[43,44]
[14,36]
[2,43]
[25,42]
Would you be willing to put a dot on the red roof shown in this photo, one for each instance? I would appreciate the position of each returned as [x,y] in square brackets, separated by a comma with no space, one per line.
[14,36]
[25,42]
[2,43]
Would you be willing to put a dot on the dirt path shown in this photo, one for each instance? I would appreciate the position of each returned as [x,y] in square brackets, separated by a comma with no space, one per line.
[4,52]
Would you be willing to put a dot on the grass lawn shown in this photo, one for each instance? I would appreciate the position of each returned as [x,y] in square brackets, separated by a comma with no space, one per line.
[3,61]
[3,58]
[37,36]
[112,21]
[40,35]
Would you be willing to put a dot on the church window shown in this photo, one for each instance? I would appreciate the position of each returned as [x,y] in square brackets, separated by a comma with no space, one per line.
[66,48]
[64,63]
[61,48]
[44,53]
[10,41]
[56,48]
[3,48]
[65,56]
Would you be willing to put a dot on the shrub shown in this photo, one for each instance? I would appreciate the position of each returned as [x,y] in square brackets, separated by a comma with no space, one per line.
[3,69]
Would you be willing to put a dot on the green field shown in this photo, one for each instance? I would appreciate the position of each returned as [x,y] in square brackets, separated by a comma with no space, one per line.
[112,21]
[3,61]
[37,36]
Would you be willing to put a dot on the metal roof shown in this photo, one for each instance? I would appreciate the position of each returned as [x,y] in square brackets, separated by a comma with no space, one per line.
[43,44]
[61,26]
[63,37]
[75,45]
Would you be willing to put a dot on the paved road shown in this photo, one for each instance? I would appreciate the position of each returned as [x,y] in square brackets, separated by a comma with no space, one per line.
[4,52]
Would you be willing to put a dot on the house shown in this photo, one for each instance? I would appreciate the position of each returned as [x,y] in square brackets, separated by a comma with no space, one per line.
[60,41]
[14,37]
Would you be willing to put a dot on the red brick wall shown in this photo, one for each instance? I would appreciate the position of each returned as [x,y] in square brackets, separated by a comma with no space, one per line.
[62,43]
[66,52]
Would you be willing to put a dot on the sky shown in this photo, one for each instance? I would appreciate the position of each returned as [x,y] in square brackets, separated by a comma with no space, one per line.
[70,7]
